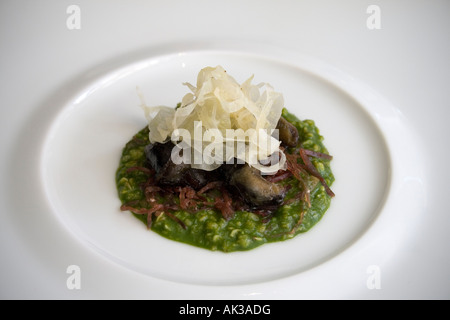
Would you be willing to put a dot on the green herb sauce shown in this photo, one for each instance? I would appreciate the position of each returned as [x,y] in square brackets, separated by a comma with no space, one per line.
[246,230]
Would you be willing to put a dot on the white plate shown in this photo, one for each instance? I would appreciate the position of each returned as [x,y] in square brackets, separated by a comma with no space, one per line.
[84,144]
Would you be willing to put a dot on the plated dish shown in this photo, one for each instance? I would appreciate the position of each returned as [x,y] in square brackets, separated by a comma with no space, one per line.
[261,174]
[111,106]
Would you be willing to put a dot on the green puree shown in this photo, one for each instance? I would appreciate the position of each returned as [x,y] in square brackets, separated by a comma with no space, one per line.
[246,230]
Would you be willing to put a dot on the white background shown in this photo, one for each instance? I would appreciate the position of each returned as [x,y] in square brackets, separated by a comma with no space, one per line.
[407,61]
